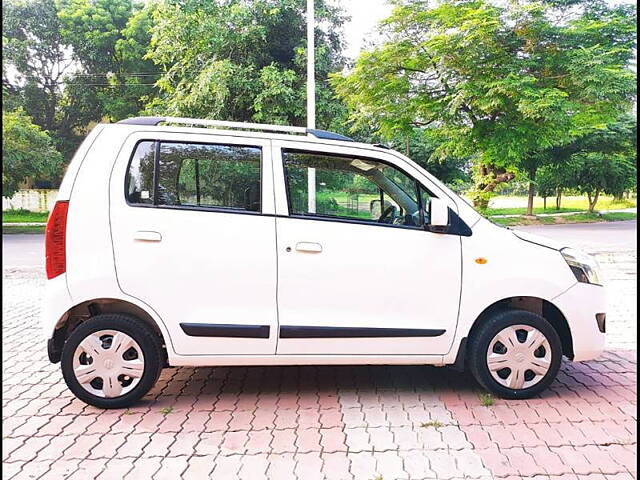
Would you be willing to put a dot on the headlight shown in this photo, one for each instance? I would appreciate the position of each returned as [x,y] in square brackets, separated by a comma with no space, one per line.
[583,266]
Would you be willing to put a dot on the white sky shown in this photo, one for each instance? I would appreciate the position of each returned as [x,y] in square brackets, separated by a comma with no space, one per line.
[365,15]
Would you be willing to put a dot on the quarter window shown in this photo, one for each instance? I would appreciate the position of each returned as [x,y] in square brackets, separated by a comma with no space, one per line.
[140,174]
[205,175]
[352,188]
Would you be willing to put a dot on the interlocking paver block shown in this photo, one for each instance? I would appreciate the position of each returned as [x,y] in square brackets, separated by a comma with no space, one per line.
[469,463]
[390,465]
[172,468]
[336,466]
[281,466]
[308,466]
[89,468]
[144,468]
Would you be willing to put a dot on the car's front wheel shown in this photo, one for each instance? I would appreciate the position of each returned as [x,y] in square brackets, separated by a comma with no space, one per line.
[515,354]
[111,360]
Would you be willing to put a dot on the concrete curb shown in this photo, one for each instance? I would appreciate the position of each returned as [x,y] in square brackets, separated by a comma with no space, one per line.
[24,224]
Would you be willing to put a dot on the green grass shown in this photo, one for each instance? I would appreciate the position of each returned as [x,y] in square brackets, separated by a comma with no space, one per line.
[522,211]
[486,399]
[571,203]
[618,216]
[21,229]
[432,423]
[166,410]
[577,218]
[23,216]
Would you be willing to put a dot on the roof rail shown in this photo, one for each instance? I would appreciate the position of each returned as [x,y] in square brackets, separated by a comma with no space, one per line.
[322,134]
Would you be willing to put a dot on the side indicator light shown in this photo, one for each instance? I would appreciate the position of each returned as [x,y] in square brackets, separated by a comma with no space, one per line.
[481,260]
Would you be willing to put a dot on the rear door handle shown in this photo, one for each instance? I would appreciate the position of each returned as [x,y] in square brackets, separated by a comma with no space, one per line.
[309,247]
[147,236]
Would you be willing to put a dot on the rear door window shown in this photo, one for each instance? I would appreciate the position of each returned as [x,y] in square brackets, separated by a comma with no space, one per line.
[199,175]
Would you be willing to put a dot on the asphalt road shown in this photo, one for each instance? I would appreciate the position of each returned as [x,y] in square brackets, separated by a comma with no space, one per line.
[601,236]
[27,250]
[22,250]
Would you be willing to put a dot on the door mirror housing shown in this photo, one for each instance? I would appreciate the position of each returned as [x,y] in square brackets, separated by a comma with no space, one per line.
[439,221]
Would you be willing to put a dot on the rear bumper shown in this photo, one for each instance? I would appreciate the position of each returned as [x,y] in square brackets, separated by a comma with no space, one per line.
[580,305]
[55,304]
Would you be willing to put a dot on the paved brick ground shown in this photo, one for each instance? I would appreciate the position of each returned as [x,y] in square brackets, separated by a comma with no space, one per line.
[321,422]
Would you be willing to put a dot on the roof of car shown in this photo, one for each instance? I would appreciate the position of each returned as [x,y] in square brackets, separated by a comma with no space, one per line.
[155,121]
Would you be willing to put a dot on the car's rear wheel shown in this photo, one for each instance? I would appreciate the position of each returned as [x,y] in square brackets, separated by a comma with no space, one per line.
[515,354]
[111,360]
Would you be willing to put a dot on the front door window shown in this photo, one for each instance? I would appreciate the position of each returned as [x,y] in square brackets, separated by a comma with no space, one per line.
[352,189]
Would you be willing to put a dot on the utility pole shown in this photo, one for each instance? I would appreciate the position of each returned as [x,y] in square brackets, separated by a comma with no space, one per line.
[311,99]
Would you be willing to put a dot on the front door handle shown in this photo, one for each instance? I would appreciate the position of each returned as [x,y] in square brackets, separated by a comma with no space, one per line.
[309,247]
[147,236]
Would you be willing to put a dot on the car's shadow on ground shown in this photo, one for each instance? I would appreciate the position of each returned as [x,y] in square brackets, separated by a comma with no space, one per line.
[575,380]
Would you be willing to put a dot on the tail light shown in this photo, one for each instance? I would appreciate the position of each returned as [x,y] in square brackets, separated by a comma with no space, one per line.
[55,240]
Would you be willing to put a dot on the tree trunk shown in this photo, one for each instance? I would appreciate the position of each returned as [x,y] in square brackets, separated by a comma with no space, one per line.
[532,191]
[592,204]
[491,177]
[558,198]
[544,202]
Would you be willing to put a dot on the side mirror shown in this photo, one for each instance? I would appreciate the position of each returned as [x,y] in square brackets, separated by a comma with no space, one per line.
[438,216]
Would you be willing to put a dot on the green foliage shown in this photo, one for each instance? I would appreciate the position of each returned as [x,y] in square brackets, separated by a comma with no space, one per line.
[27,152]
[222,60]
[75,62]
[109,40]
[595,173]
[604,161]
[524,90]
[33,45]
[501,84]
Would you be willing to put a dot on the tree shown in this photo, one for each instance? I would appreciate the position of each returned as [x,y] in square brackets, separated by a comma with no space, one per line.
[420,144]
[500,84]
[32,45]
[109,40]
[551,181]
[27,152]
[605,161]
[597,173]
[222,60]
[72,63]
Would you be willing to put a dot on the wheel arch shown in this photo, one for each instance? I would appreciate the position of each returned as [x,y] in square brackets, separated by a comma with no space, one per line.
[539,306]
[81,312]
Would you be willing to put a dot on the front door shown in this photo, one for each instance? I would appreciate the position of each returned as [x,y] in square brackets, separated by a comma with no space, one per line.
[357,272]
[194,239]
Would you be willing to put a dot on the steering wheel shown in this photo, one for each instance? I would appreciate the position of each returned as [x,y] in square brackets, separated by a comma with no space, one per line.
[389,212]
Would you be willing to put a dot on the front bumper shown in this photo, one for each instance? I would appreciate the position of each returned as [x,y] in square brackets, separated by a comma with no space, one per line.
[580,305]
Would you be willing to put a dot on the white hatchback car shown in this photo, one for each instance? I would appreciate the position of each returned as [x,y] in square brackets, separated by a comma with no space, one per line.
[247,244]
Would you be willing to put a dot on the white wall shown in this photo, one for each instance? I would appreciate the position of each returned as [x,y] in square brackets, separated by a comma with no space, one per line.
[39,200]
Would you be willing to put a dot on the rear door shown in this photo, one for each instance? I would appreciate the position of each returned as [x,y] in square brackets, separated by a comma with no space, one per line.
[357,272]
[194,238]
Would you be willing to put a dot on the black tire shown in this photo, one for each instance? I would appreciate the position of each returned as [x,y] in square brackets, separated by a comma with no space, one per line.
[479,345]
[146,338]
